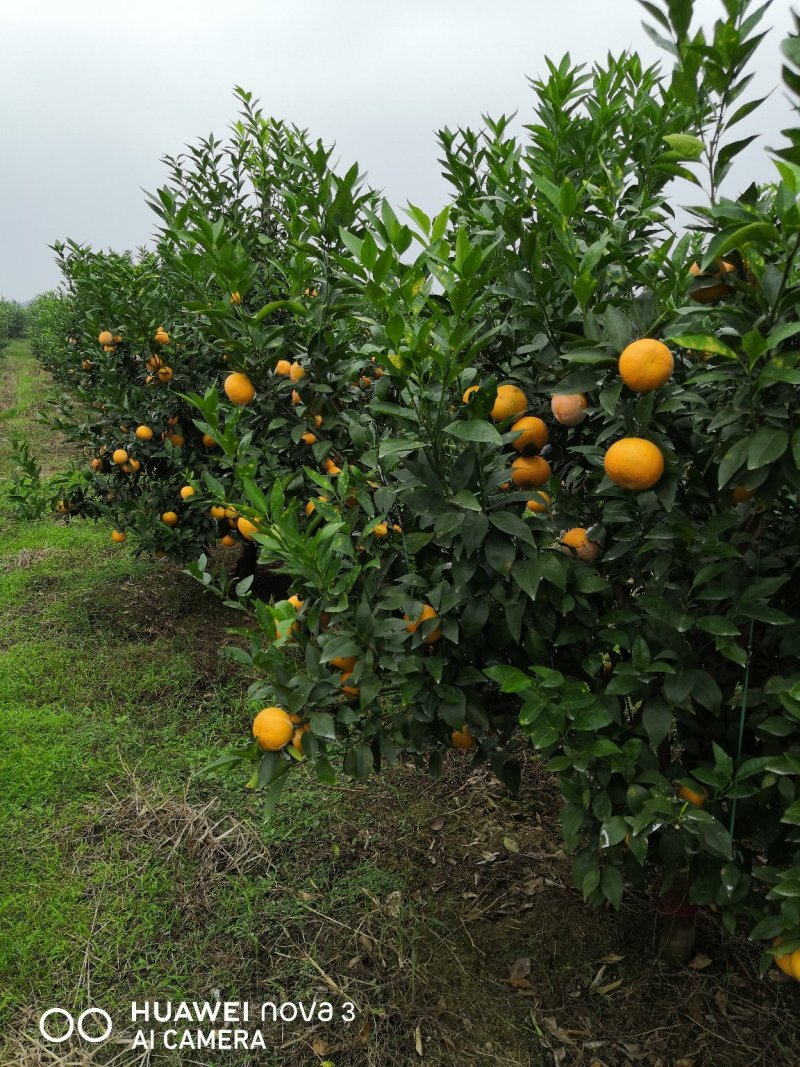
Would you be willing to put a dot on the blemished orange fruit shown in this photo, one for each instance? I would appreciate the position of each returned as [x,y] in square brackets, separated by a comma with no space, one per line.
[283,367]
[161,336]
[469,393]
[246,528]
[154,362]
[510,401]
[105,337]
[740,494]
[209,441]
[87,364]
[124,429]
[169,518]
[119,536]
[397,528]
[186,492]
[531,433]
[698,796]
[216,511]
[120,456]
[634,463]
[309,437]
[144,433]
[96,464]
[318,421]
[160,553]
[228,541]
[165,374]
[463,738]
[541,502]
[296,372]
[109,348]
[236,298]
[344,663]
[716,288]
[646,365]
[177,440]
[427,613]
[380,529]
[569,408]
[133,465]
[239,389]
[272,728]
[351,690]
[174,420]
[529,472]
[117,338]
[576,539]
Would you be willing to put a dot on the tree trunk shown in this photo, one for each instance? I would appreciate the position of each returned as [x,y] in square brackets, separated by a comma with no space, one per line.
[246,565]
[676,926]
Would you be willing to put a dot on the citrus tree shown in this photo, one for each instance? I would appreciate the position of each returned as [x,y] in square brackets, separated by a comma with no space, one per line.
[572,516]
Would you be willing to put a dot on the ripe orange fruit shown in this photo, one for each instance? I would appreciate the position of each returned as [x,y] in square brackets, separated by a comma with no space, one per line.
[541,502]
[295,601]
[309,437]
[318,421]
[120,456]
[132,466]
[239,389]
[740,494]
[351,690]
[569,408]
[177,440]
[344,663]
[529,472]
[469,393]
[789,962]
[216,512]
[296,398]
[427,613]
[397,529]
[296,372]
[297,737]
[331,468]
[532,433]
[118,536]
[698,797]
[246,528]
[236,298]
[584,548]
[87,364]
[272,728]
[186,492]
[117,338]
[380,529]
[161,336]
[716,288]
[634,463]
[144,433]
[646,365]
[231,513]
[463,738]
[510,401]
[109,348]
[170,518]
[228,541]
[173,421]
[105,337]
[209,441]
[283,367]
[154,362]
[165,374]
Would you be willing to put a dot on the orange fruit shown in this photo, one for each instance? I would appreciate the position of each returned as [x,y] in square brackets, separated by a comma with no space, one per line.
[634,463]
[541,502]
[177,440]
[144,433]
[228,541]
[239,389]
[463,738]
[351,690]
[124,429]
[117,338]
[309,437]
[169,518]
[209,441]
[397,529]
[132,466]
[120,456]
[510,401]
[154,362]
[165,374]
[469,393]
[118,536]
[87,364]
[716,288]
[283,367]
[532,433]
[96,464]
[161,336]
[173,421]
[740,494]
[427,613]
[109,348]
[246,528]
[380,529]
[529,472]
[296,372]
[569,408]
[318,421]
[584,548]
[296,398]
[186,492]
[216,512]
[236,298]
[231,513]
[646,365]
[272,728]
[295,601]
[105,337]
[698,796]
[344,663]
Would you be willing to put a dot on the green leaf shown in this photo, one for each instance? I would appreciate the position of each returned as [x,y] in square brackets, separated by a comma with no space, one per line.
[657,720]
[476,430]
[702,342]
[766,445]
[611,886]
[689,147]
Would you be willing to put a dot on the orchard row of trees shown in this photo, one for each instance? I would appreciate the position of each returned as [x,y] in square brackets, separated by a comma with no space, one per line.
[12,321]
[529,468]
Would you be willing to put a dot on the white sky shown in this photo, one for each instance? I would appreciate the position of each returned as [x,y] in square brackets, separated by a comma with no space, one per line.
[94,92]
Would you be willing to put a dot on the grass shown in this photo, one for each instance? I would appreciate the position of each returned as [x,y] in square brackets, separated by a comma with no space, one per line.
[122,877]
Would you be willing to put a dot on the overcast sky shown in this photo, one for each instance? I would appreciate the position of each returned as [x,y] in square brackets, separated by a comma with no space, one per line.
[94,92]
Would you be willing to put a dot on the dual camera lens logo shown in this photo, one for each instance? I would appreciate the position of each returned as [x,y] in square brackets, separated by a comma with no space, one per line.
[57,1025]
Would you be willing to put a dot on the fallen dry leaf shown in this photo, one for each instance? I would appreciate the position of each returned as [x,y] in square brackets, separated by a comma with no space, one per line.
[699,963]
[510,844]
[437,824]
[612,957]
[418,1041]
